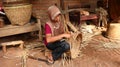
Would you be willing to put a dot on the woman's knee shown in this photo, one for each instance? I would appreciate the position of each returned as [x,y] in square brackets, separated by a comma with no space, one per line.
[66,46]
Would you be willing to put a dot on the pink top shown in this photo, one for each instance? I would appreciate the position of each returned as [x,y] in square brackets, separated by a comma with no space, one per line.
[47,31]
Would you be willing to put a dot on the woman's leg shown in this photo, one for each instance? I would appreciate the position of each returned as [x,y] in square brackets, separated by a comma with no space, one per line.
[58,47]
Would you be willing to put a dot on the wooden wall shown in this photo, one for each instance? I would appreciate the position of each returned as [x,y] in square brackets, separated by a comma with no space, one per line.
[40,6]
[0,2]
[92,3]
[114,8]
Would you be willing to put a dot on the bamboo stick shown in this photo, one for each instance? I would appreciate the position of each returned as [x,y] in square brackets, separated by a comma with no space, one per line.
[72,27]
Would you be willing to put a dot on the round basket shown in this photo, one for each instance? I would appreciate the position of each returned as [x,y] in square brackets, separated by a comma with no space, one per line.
[18,14]
[14,1]
[113,31]
[11,0]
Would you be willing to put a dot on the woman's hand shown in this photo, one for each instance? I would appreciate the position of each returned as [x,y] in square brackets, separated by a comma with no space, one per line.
[66,35]
[50,38]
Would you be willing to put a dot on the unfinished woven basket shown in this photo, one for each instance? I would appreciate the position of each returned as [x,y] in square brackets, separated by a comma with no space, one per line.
[75,44]
[18,14]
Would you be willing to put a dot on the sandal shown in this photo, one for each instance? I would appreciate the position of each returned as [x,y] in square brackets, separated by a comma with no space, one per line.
[50,60]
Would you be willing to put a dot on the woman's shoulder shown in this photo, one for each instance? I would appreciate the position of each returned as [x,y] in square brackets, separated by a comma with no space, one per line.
[48,23]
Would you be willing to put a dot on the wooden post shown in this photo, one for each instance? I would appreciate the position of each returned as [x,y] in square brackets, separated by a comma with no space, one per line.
[40,30]
[4,48]
[67,14]
[21,45]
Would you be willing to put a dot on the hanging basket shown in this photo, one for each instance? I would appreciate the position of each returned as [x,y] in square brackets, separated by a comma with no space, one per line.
[18,14]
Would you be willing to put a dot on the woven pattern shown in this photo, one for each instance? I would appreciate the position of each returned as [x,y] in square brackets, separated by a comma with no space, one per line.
[14,1]
[75,42]
[18,15]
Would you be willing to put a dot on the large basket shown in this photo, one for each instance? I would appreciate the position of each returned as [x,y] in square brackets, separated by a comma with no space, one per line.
[113,31]
[18,14]
[14,1]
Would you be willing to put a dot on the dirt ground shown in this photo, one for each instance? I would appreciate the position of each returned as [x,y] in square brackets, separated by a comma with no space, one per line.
[91,56]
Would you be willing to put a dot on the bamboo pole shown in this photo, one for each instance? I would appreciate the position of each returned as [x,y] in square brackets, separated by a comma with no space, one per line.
[72,27]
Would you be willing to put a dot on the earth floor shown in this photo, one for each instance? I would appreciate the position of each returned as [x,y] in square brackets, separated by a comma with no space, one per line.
[91,56]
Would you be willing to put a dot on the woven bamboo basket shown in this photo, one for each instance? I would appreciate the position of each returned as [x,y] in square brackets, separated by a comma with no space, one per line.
[14,1]
[18,14]
[113,31]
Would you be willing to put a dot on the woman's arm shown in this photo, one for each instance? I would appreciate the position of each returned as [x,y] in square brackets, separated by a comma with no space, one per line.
[50,38]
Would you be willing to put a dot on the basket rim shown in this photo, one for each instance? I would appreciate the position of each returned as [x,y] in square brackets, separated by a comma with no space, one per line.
[16,6]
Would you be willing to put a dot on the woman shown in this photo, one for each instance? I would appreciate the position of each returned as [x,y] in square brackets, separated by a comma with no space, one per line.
[54,34]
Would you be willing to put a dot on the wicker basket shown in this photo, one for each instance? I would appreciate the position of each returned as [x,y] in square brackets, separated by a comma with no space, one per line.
[113,31]
[14,1]
[18,14]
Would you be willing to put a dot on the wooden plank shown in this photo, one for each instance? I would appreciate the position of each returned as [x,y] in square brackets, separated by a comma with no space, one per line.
[12,42]
[12,30]
[5,44]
